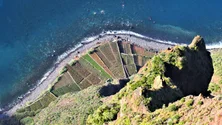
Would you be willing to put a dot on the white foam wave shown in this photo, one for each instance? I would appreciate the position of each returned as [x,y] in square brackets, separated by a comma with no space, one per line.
[90,39]
[124,32]
[214,45]
[65,54]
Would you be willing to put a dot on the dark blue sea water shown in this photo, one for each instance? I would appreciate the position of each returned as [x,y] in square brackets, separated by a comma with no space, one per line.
[33,33]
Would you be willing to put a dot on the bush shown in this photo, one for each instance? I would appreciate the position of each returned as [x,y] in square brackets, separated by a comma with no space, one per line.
[213,87]
[64,69]
[200,102]
[189,102]
[174,120]
[27,121]
[220,82]
[104,114]
[182,99]
[173,107]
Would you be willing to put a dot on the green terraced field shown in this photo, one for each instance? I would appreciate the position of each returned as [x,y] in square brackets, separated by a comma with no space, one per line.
[94,64]
[86,71]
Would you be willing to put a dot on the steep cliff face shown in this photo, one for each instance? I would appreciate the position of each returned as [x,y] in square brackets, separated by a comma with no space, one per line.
[167,77]
[197,68]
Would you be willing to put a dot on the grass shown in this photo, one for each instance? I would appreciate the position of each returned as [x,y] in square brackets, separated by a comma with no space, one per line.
[71,108]
[217,62]
[96,66]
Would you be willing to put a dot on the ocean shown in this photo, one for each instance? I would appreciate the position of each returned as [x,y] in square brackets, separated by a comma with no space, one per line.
[35,33]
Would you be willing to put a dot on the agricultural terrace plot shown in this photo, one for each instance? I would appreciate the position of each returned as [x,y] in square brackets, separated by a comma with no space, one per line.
[121,48]
[117,68]
[90,68]
[103,58]
[95,57]
[65,89]
[80,69]
[131,69]
[138,60]
[126,47]
[65,79]
[84,84]
[42,102]
[75,75]
[137,50]
[36,105]
[96,66]
[114,46]
[149,53]
[46,99]
[129,64]
[116,52]
[93,79]
[118,71]
[106,50]
[127,59]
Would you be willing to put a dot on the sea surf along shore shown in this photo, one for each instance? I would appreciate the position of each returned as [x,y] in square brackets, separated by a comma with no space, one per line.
[84,45]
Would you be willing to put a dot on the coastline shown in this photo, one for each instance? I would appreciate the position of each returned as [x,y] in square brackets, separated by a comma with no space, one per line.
[85,45]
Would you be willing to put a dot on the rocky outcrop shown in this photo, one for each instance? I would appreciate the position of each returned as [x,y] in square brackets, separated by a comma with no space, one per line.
[197,70]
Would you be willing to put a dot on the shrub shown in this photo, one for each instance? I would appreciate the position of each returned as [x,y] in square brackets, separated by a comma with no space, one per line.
[200,102]
[72,62]
[213,87]
[64,69]
[182,99]
[27,121]
[104,114]
[220,82]
[173,120]
[189,102]
[173,107]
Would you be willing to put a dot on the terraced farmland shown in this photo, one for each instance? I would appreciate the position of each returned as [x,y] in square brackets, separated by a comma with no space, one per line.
[109,60]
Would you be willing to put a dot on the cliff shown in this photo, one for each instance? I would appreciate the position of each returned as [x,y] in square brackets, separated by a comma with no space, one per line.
[167,77]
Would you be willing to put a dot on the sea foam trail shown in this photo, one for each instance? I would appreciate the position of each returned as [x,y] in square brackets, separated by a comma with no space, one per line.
[214,45]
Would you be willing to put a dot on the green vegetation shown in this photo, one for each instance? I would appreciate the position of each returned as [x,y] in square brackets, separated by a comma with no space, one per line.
[72,62]
[27,121]
[94,64]
[182,99]
[64,69]
[173,107]
[104,114]
[213,87]
[189,102]
[71,108]
[200,102]
[217,62]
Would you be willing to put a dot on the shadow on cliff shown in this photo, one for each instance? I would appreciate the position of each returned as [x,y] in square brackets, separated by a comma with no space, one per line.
[162,96]
[112,89]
